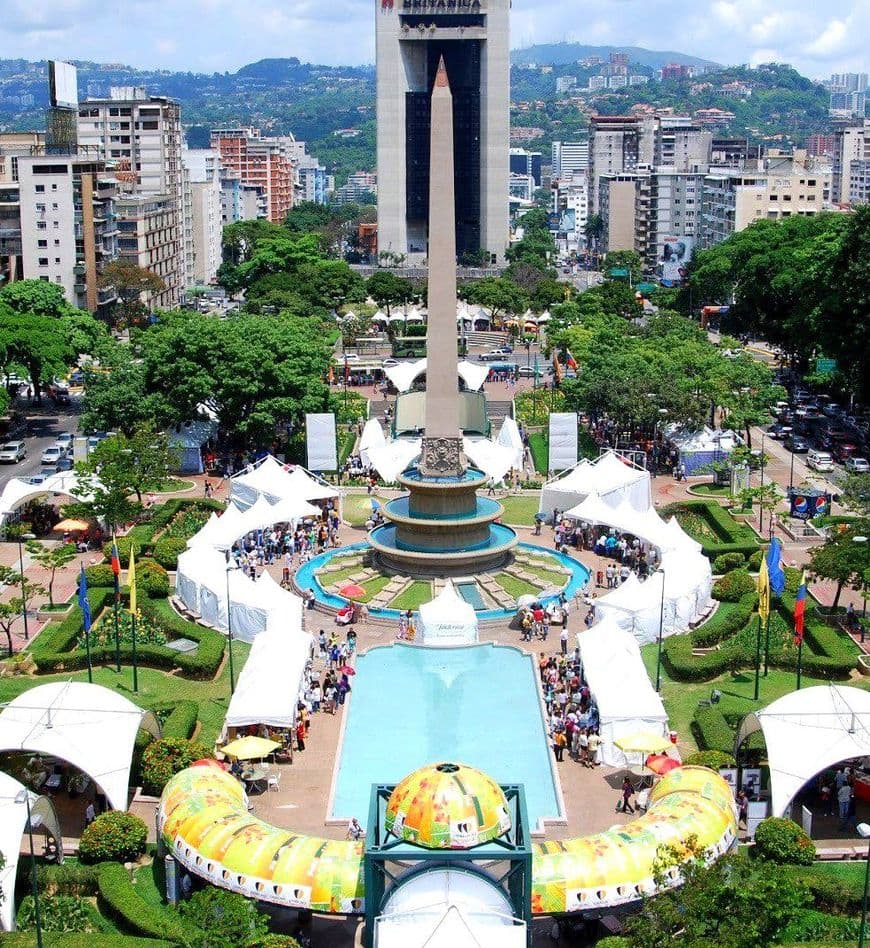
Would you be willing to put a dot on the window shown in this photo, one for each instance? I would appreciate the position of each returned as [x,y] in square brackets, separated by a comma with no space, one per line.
[57,259]
[39,188]
[54,206]
[40,208]
[56,242]
[43,261]
[54,187]
[58,279]
[41,243]
[41,225]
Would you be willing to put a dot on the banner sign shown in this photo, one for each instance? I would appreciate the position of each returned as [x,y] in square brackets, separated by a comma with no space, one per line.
[320,442]
[804,505]
[563,440]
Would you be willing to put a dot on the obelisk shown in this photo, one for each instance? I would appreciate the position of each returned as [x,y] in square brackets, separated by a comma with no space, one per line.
[441,454]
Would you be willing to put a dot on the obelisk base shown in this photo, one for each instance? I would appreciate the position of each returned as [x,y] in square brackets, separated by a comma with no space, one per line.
[442,457]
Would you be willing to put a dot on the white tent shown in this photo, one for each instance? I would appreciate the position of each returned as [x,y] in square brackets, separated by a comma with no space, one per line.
[199,568]
[278,482]
[391,458]
[91,727]
[646,524]
[676,538]
[448,619]
[284,606]
[268,689]
[808,731]
[608,476]
[510,437]
[222,535]
[380,317]
[209,529]
[372,437]
[494,459]
[404,374]
[701,448]
[248,613]
[292,510]
[308,487]
[617,678]
[13,826]
[19,490]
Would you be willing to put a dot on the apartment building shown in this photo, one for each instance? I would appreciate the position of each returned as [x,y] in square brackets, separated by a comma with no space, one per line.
[261,162]
[67,225]
[568,157]
[203,196]
[150,235]
[851,144]
[617,206]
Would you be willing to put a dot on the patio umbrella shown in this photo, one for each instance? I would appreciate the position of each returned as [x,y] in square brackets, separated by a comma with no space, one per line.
[72,525]
[347,670]
[352,591]
[250,748]
[642,742]
[661,764]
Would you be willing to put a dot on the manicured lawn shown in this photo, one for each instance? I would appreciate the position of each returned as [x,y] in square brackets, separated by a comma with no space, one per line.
[712,490]
[540,451]
[550,577]
[520,509]
[340,576]
[174,484]
[358,508]
[154,687]
[373,587]
[516,587]
[413,596]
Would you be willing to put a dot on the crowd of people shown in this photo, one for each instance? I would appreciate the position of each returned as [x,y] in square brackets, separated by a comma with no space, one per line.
[571,710]
[629,553]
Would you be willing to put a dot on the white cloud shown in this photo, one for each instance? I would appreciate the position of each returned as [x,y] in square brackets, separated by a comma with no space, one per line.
[224,34]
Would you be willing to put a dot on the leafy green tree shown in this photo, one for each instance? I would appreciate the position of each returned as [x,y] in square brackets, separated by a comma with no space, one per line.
[593,229]
[40,343]
[279,253]
[134,285]
[389,290]
[624,260]
[117,397]
[53,558]
[330,284]
[498,294]
[856,493]
[35,297]
[841,560]
[223,919]
[133,464]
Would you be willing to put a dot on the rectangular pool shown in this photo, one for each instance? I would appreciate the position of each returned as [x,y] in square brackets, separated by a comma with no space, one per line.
[413,706]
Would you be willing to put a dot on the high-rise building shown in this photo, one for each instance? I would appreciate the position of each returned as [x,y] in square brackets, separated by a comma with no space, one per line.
[526,163]
[859,182]
[569,157]
[848,95]
[361,188]
[473,38]
[852,143]
[262,162]
[675,71]
[150,235]
[819,145]
[203,195]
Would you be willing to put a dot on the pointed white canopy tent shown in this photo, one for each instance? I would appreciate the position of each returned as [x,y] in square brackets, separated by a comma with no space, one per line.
[494,459]
[610,477]
[18,491]
[13,826]
[208,530]
[448,619]
[285,606]
[806,732]
[199,568]
[617,678]
[510,437]
[223,534]
[415,316]
[380,317]
[278,482]
[391,458]
[403,375]
[372,437]
[91,727]
[676,538]
[646,524]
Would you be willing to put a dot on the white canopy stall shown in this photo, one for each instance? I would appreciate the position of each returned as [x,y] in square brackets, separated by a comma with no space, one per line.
[404,374]
[278,482]
[91,727]
[200,568]
[611,478]
[448,619]
[617,678]
[510,437]
[806,732]
[372,437]
[18,491]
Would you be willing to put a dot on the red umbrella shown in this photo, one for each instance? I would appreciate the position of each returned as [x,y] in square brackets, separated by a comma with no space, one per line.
[661,764]
[352,591]
[347,670]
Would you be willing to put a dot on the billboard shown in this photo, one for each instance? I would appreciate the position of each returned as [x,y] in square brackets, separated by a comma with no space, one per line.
[63,85]
[320,438]
[676,254]
[805,505]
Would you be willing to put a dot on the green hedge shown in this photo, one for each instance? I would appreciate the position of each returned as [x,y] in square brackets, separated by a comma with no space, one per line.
[725,622]
[167,550]
[684,666]
[180,717]
[143,534]
[713,759]
[91,940]
[68,878]
[727,562]
[731,536]
[540,451]
[116,836]
[783,841]
[121,898]
[712,731]
[733,586]
[54,649]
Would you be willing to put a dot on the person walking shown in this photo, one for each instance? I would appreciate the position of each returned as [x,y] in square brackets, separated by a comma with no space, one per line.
[563,639]
[559,742]
[627,793]
[844,804]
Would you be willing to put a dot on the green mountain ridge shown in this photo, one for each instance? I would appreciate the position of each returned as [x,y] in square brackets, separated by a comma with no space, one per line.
[562,54]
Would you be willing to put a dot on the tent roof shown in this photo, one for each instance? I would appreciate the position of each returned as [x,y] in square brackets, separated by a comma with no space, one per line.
[616,674]
[274,596]
[279,482]
[193,434]
[510,437]
[372,435]
[13,825]
[600,476]
[18,490]
[91,727]
[808,731]
[404,374]
[392,457]
[448,608]
[704,439]
[491,457]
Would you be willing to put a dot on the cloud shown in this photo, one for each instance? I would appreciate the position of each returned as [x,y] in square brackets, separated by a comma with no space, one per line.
[818,38]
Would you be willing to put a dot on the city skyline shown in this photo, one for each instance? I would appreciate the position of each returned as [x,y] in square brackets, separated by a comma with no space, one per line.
[816,39]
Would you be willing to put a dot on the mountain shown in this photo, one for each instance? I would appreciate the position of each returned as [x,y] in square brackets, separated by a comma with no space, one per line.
[561,54]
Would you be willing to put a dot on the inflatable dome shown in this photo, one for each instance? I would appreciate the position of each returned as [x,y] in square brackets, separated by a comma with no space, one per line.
[447,806]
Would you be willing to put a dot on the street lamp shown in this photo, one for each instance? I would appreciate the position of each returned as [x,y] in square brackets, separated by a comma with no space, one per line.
[864,833]
[23,796]
[229,569]
[863,588]
[23,536]
[761,489]
[661,634]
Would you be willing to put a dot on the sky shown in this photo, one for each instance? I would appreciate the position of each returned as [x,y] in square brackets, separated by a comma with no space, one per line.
[221,35]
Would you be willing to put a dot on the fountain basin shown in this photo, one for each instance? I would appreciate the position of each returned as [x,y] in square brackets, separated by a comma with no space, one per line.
[449,555]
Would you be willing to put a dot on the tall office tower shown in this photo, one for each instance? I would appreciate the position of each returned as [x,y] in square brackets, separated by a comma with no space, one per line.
[569,157]
[617,144]
[473,38]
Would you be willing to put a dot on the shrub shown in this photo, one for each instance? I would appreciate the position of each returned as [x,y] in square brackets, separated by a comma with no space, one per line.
[723,534]
[755,560]
[710,758]
[100,574]
[69,878]
[58,913]
[167,551]
[113,837]
[224,918]
[728,561]
[733,586]
[712,731]
[152,579]
[784,842]
[684,666]
[165,758]
[812,927]
[180,718]
[120,896]
[278,941]
[124,545]
[832,892]
[727,621]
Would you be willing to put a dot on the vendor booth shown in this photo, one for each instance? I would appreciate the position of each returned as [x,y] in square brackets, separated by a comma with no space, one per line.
[612,478]
[448,619]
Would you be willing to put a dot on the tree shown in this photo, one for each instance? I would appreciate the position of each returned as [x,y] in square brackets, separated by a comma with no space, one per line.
[51,558]
[117,397]
[842,560]
[133,464]
[389,290]
[40,343]
[12,609]
[593,229]
[132,283]
[36,298]
[223,919]
[856,493]
[733,902]
[498,294]
[625,260]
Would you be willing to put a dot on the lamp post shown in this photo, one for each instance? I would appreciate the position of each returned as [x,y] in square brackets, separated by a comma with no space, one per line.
[20,537]
[229,569]
[864,833]
[661,634]
[863,588]
[23,796]
[528,345]
[761,488]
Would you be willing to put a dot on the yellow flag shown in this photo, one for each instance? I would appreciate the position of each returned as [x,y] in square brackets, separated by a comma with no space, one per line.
[131,581]
[763,591]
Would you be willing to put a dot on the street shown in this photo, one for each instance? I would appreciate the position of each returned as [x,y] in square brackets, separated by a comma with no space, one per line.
[44,423]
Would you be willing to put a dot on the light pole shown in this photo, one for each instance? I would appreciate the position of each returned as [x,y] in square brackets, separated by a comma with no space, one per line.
[20,537]
[661,634]
[864,833]
[23,796]
[229,569]
[761,488]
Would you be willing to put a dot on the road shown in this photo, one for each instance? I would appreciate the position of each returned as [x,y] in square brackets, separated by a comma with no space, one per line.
[44,423]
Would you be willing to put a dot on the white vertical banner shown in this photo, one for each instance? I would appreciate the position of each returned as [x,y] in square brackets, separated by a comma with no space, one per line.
[320,442]
[563,440]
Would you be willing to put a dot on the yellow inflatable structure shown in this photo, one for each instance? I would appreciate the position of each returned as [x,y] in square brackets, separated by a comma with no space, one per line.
[204,821]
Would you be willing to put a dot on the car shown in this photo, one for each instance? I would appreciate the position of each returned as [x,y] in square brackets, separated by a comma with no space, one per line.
[65,464]
[843,450]
[857,465]
[820,461]
[66,439]
[52,454]
[12,452]
[796,444]
[347,357]
[779,431]
[389,363]
[527,371]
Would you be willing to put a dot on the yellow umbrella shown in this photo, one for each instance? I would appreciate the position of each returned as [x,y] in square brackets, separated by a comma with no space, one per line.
[643,742]
[250,748]
[71,525]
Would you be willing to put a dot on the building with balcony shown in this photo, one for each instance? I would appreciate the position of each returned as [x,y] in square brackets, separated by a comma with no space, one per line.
[150,236]
[264,163]
[203,221]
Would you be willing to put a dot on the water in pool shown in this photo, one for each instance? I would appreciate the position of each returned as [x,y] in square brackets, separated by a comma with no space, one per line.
[413,706]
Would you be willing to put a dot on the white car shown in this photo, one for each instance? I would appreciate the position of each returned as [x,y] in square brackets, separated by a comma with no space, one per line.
[13,451]
[65,440]
[857,465]
[52,454]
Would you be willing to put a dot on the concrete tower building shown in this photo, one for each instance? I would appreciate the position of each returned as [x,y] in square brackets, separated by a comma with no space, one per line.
[473,38]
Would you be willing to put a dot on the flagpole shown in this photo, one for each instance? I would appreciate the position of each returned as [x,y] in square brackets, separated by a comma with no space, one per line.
[757,657]
[135,667]
[88,651]
[117,637]
[800,663]
[766,643]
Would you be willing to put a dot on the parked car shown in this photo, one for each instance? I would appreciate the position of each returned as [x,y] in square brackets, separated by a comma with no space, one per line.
[857,465]
[527,371]
[779,431]
[65,464]
[66,439]
[12,452]
[843,450]
[796,444]
[820,461]
[52,454]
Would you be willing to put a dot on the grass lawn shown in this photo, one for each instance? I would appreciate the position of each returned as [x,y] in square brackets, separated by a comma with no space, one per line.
[373,587]
[712,490]
[540,451]
[358,508]
[520,509]
[413,596]
[154,686]
[339,576]
[174,484]
[550,577]
[681,697]
[515,587]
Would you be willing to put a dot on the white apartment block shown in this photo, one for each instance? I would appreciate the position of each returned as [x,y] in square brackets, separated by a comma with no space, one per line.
[852,144]
[569,157]
[203,195]
[150,235]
